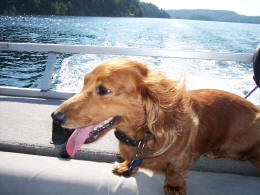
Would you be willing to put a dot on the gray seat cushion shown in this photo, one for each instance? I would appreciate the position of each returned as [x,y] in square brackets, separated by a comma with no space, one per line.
[31,174]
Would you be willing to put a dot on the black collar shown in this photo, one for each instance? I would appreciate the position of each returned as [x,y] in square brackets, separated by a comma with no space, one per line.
[140,147]
[129,141]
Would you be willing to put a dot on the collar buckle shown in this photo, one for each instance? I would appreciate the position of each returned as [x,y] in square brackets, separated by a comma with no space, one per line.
[140,148]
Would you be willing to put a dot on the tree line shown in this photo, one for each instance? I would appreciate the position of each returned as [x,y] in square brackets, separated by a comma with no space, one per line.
[119,8]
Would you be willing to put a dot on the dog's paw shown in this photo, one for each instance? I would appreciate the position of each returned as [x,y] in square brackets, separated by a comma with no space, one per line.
[170,190]
[216,154]
[211,155]
[121,169]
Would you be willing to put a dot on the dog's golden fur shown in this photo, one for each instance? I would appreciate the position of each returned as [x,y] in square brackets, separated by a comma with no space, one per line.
[184,124]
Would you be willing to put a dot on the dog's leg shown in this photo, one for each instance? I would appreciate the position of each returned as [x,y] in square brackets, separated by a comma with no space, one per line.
[122,169]
[255,156]
[174,182]
[255,152]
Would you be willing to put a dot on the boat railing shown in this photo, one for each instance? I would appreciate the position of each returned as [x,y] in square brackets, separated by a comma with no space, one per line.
[52,49]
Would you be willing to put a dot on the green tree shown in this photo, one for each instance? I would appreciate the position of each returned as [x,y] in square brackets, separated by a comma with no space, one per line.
[81,8]
[150,10]
[60,8]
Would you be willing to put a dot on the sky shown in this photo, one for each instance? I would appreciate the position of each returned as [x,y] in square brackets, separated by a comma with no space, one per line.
[245,7]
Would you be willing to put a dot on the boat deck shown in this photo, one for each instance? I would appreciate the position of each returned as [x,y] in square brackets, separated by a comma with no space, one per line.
[26,127]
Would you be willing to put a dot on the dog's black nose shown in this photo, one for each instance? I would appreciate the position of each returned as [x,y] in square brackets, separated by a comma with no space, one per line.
[59,117]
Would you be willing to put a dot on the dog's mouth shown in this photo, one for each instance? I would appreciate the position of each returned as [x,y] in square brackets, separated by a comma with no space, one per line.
[88,134]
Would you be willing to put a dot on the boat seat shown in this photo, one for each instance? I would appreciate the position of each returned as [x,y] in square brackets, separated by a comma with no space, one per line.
[25,174]
[30,164]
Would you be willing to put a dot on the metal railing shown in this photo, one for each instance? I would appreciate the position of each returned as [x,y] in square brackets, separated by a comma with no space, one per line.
[52,49]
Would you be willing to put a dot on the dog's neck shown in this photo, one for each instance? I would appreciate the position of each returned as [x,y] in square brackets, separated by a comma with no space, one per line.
[126,140]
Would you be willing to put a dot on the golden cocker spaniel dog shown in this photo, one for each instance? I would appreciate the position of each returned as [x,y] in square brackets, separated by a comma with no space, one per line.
[161,126]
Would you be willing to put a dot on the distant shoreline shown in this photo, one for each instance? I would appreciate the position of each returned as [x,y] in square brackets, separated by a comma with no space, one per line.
[212,15]
[118,8]
[108,8]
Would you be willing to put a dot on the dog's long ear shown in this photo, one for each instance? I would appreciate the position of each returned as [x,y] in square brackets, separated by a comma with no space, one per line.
[161,97]
[151,107]
[141,68]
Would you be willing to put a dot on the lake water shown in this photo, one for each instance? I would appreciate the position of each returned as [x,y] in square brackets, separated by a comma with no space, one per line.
[26,69]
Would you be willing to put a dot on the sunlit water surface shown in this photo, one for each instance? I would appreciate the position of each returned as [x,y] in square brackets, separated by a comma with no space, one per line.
[24,69]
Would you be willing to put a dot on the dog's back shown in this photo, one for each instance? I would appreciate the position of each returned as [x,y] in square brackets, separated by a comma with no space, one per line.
[229,125]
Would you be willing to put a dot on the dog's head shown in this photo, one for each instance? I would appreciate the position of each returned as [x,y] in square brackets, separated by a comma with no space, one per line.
[119,93]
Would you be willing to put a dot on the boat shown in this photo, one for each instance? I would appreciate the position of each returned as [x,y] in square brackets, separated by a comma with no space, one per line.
[32,154]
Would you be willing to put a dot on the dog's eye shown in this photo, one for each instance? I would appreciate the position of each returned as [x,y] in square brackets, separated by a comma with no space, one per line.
[101,90]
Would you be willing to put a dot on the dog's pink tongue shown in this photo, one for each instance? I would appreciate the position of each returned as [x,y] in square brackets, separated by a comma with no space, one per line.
[77,139]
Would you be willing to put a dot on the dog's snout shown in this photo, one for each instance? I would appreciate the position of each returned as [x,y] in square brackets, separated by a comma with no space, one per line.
[59,117]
